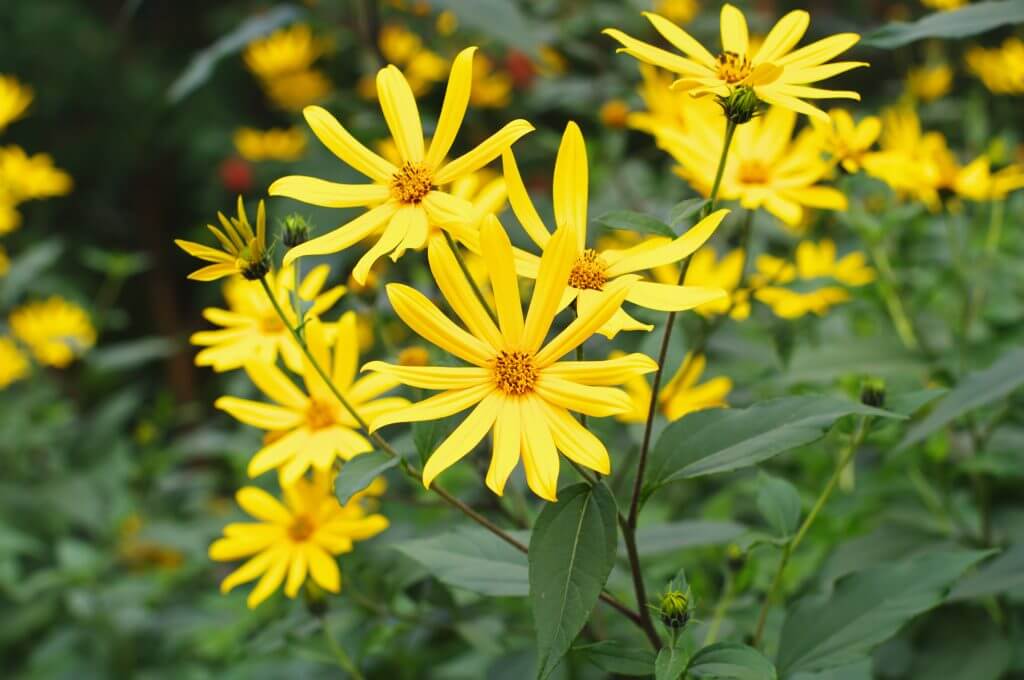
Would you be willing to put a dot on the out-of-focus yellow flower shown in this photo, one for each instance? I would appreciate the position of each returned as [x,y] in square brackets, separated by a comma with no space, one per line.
[417,355]
[515,382]
[815,265]
[243,251]
[251,330]
[296,90]
[765,168]
[614,113]
[845,141]
[492,88]
[312,428]
[670,113]
[1000,68]
[680,396]
[364,333]
[25,178]
[677,11]
[404,49]
[14,100]
[13,364]
[55,330]
[5,262]
[416,7]
[285,51]
[297,538]
[707,271]
[447,23]
[275,144]
[592,271]
[777,74]
[976,181]
[944,5]
[405,203]
[929,83]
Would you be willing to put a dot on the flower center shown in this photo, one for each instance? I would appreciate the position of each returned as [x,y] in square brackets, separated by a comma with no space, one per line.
[301,528]
[733,67]
[754,172]
[271,325]
[588,271]
[411,183]
[514,372]
[320,415]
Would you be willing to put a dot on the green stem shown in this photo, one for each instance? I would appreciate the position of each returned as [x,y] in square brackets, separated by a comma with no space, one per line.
[995,226]
[720,609]
[340,655]
[465,272]
[887,287]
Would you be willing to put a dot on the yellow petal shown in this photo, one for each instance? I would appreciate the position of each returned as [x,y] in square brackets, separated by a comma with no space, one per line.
[262,505]
[316,343]
[270,581]
[424,318]
[555,265]
[433,377]
[328,194]
[575,441]
[505,454]
[671,251]
[459,294]
[819,52]
[683,42]
[464,438]
[346,352]
[278,452]
[593,401]
[520,201]
[203,252]
[214,272]
[484,153]
[400,112]
[569,193]
[456,98]
[393,235]
[655,55]
[497,253]
[345,235]
[346,147]
[436,407]
[230,549]
[607,372]
[783,37]
[296,573]
[665,297]
[540,457]
[258,414]
[323,568]
[772,96]
[249,571]
[275,384]
[587,322]
[734,30]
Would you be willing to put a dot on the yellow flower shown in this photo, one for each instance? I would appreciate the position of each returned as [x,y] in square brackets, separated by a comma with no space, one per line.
[13,364]
[492,88]
[408,202]
[294,91]
[416,355]
[928,83]
[670,113]
[593,271]
[243,251]
[297,538]
[55,330]
[421,67]
[680,396]
[815,263]
[285,51]
[312,428]
[677,11]
[275,144]
[944,5]
[1000,68]
[515,382]
[251,330]
[5,262]
[705,270]
[976,181]
[14,100]
[777,74]
[25,178]
[845,141]
[614,113]
[765,167]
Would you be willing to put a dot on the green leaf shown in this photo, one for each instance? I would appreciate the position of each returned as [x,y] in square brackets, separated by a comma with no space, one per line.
[686,211]
[472,558]
[27,267]
[426,435]
[779,503]
[671,662]
[960,23]
[358,473]
[658,539]
[612,656]
[866,609]
[910,403]
[499,19]
[721,440]
[634,221]
[572,551]
[1005,572]
[130,354]
[730,661]
[975,390]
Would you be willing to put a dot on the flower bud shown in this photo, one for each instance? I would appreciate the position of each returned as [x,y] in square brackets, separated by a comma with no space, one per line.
[316,599]
[295,231]
[734,557]
[254,266]
[740,105]
[674,609]
[872,393]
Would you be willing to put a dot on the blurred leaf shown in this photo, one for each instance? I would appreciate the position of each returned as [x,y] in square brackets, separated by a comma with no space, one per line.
[14,542]
[975,390]
[959,23]
[658,539]
[116,264]
[671,662]
[779,503]
[27,267]
[636,222]
[686,211]
[200,68]
[730,661]
[833,359]
[359,472]
[721,440]
[612,656]
[1003,573]
[130,354]
[426,436]
[572,551]
[866,609]
[498,19]
[910,403]
[472,558]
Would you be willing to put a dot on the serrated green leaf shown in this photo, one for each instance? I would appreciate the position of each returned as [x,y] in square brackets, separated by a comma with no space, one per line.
[730,661]
[636,222]
[779,504]
[357,474]
[572,551]
[471,558]
[959,23]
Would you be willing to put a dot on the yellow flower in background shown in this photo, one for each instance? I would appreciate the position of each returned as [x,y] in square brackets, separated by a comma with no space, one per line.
[312,428]
[13,363]
[55,330]
[815,265]
[243,251]
[285,51]
[407,200]
[614,113]
[14,100]
[297,539]
[593,272]
[294,91]
[25,178]
[765,168]
[845,141]
[251,330]
[421,67]
[670,114]
[5,262]
[976,181]
[492,88]
[1001,69]
[929,83]
[708,271]
[682,394]
[515,382]
[778,74]
[275,144]
[677,11]
[944,5]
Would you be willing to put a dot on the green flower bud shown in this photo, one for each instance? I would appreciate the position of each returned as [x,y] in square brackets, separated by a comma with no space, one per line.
[674,609]
[740,105]
[872,393]
[295,231]
[255,269]
[734,557]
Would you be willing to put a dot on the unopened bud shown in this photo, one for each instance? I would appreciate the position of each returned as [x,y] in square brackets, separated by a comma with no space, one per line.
[256,268]
[740,105]
[734,557]
[872,393]
[295,231]
[674,609]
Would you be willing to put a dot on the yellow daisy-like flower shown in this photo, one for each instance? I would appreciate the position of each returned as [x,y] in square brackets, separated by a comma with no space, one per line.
[976,181]
[422,67]
[678,11]
[670,114]
[515,382]
[708,271]
[846,141]
[14,100]
[285,51]
[13,364]
[275,144]
[55,330]
[778,74]
[295,539]
[683,394]
[593,271]
[294,91]
[1001,69]
[312,428]
[492,88]
[408,202]
[944,5]
[25,178]
[815,263]
[929,83]
[765,168]
[243,251]
[251,330]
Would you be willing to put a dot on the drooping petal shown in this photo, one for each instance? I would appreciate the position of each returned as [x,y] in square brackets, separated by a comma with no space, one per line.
[605,372]
[555,265]
[672,251]
[575,441]
[433,377]
[569,193]
[214,272]
[323,568]
[278,452]
[436,407]
[425,319]
[346,147]
[484,153]
[587,322]
[540,457]
[665,297]
[401,113]
[463,438]
[456,99]
[296,573]
[251,570]
[592,401]
[271,579]
[328,194]
[345,235]
[258,414]
[505,454]
[393,235]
